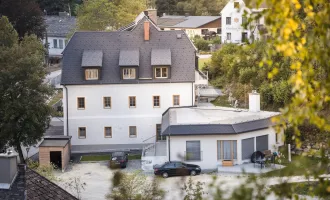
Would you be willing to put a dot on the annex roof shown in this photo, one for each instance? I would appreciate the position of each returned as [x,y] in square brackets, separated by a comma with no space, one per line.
[112,43]
[54,143]
[185,21]
[161,57]
[92,58]
[57,26]
[213,120]
[129,57]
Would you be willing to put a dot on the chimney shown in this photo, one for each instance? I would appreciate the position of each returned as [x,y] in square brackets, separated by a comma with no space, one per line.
[8,172]
[146,30]
[152,14]
[254,101]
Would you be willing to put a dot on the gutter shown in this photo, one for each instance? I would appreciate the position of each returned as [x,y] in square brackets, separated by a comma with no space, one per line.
[67,111]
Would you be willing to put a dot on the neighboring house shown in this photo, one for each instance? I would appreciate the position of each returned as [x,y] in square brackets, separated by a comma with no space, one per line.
[232,18]
[58,30]
[18,182]
[210,136]
[204,26]
[116,85]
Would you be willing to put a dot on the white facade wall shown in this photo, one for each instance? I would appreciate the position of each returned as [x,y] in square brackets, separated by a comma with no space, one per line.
[192,32]
[55,51]
[208,145]
[235,28]
[145,117]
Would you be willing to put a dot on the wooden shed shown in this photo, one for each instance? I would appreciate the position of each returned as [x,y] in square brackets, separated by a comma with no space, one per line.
[56,150]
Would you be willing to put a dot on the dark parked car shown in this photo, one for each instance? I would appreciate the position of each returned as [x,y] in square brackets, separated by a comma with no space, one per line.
[118,159]
[176,168]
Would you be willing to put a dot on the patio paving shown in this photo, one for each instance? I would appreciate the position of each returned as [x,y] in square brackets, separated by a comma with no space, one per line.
[249,168]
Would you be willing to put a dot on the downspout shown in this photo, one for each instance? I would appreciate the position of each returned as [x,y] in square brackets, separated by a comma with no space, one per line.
[67,111]
[192,94]
[169,144]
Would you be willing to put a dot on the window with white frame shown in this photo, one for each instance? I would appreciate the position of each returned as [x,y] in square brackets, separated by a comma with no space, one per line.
[227,149]
[91,74]
[106,102]
[81,103]
[176,100]
[228,36]
[60,42]
[132,102]
[82,132]
[132,131]
[55,43]
[156,101]
[129,73]
[108,132]
[228,20]
[161,72]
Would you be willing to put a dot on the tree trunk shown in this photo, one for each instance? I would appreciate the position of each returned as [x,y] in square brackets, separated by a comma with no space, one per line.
[20,153]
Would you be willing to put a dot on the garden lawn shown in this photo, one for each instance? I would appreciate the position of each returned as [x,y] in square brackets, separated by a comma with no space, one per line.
[56,98]
[221,101]
[107,157]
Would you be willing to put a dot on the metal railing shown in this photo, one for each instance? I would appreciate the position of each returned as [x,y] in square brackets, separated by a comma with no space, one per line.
[147,147]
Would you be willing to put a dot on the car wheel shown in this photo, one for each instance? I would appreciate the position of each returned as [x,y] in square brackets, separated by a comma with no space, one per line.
[165,175]
[193,173]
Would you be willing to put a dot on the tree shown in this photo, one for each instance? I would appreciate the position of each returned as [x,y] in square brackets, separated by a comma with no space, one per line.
[25,16]
[54,7]
[101,15]
[24,114]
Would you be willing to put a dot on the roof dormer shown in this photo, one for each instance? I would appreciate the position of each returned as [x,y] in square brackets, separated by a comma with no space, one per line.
[92,63]
[129,60]
[161,62]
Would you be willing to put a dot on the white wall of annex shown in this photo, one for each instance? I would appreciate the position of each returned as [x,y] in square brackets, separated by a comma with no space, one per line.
[94,117]
[55,51]
[209,146]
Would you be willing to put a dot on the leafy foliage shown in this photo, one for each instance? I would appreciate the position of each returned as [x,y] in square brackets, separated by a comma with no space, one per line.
[101,15]
[24,114]
[193,191]
[25,16]
[134,186]
[54,7]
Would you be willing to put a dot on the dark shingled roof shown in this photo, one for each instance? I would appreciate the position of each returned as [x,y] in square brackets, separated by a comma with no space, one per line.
[111,43]
[92,58]
[59,26]
[129,57]
[32,186]
[161,57]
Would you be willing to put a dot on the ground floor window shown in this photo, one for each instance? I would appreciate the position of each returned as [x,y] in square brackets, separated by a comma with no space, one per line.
[193,151]
[159,132]
[226,149]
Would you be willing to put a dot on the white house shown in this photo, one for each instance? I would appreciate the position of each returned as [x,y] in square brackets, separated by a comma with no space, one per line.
[58,29]
[208,136]
[116,85]
[233,15]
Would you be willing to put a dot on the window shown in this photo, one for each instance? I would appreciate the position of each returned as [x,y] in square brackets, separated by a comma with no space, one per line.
[228,36]
[55,43]
[108,132]
[91,74]
[176,100]
[193,151]
[129,73]
[161,72]
[132,102]
[81,103]
[159,132]
[156,101]
[106,102]
[82,132]
[60,42]
[170,165]
[132,131]
[218,30]
[205,31]
[244,37]
[226,149]
[244,20]
[228,20]
[236,4]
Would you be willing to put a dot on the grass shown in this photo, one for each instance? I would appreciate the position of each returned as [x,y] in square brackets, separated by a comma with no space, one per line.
[56,98]
[221,101]
[303,188]
[202,61]
[107,157]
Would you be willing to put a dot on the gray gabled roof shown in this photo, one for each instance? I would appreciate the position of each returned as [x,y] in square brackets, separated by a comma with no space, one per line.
[92,58]
[111,43]
[161,57]
[186,21]
[57,26]
[129,57]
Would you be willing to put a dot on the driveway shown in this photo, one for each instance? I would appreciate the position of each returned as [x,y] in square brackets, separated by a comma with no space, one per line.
[98,176]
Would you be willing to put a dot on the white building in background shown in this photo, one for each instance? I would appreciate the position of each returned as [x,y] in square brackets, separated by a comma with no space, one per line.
[232,18]
[58,28]
[117,85]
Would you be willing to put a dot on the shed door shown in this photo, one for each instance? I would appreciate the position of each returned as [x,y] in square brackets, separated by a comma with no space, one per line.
[262,143]
[247,148]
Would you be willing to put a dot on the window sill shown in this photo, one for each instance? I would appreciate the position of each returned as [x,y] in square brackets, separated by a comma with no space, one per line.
[107,136]
[106,107]
[80,108]
[132,107]
[161,77]
[132,136]
[156,106]
[81,137]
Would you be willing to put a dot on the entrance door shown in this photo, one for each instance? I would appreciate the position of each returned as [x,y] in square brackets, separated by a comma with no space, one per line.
[56,158]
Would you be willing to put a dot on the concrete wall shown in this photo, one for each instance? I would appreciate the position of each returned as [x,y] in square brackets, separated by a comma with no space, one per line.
[209,146]
[8,170]
[145,117]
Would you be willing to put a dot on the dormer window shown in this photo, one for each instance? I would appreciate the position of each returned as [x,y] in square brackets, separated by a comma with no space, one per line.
[92,63]
[161,72]
[91,74]
[129,73]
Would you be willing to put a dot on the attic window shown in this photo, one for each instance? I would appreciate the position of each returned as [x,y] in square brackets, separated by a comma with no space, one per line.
[161,72]
[91,74]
